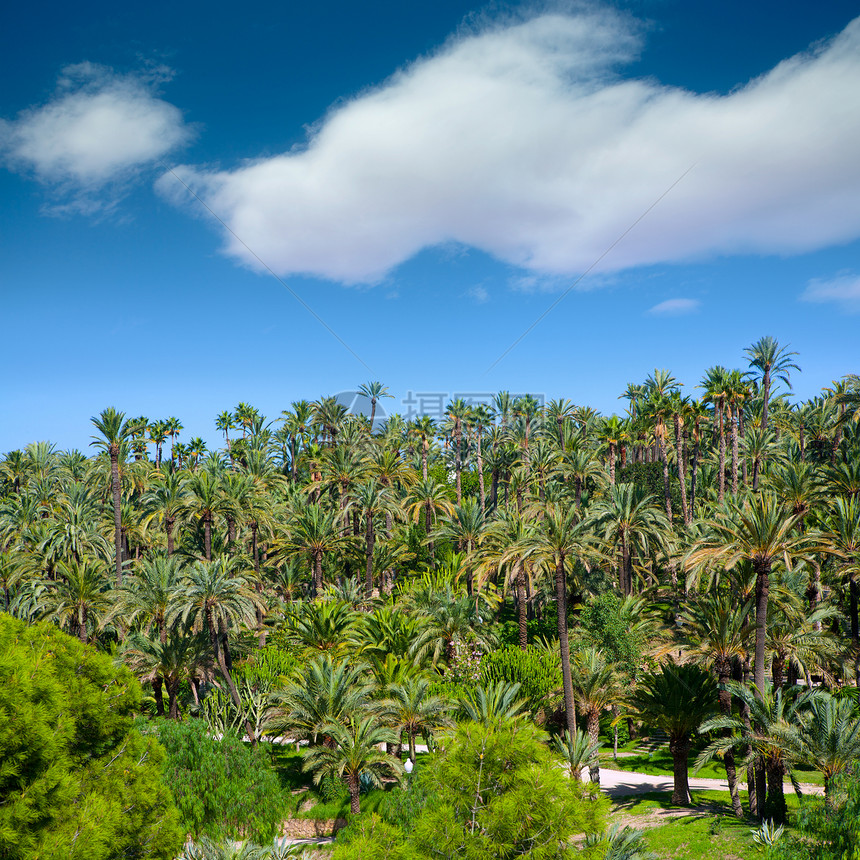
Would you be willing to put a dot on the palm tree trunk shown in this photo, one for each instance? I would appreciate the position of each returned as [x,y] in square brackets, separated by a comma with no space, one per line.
[458,465]
[694,474]
[168,527]
[680,750]
[370,540]
[159,696]
[725,700]
[207,536]
[722,474]
[593,726]
[679,456]
[611,464]
[664,457]
[734,415]
[762,591]
[481,473]
[564,645]
[354,794]
[318,575]
[522,608]
[172,698]
[225,673]
[775,792]
[117,510]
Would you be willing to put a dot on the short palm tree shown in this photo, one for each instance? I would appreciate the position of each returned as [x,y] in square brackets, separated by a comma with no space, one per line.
[354,753]
[576,752]
[324,692]
[597,687]
[493,704]
[215,601]
[677,699]
[411,708]
[829,736]
[79,599]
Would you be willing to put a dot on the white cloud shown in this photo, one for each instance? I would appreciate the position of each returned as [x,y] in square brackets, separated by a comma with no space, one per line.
[522,141]
[843,290]
[675,307]
[478,294]
[97,129]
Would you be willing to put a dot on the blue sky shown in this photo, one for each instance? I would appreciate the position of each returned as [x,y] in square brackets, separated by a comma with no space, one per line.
[429,178]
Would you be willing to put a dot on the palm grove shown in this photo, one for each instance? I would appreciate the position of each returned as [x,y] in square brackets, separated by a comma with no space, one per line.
[325,579]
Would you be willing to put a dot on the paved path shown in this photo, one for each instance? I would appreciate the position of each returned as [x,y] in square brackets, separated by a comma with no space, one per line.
[620,783]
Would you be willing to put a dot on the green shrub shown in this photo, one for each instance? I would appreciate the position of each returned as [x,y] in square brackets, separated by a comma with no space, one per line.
[223,788]
[77,782]
[538,672]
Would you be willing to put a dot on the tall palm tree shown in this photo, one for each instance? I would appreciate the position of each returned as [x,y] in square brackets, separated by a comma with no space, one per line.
[767,737]
[78,599]
[373,391]
[145,598]
[458,413]
[761,531]
[312,532]
[716,632]
[559,538]
[768,359]
[165,502]
[113,430]
[628,525]
[205,502]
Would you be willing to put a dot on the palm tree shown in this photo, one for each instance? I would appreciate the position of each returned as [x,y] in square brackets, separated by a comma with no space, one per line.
[597,687]
[313,532]
[576,751]
[458,412]
[465,529]
[769,738]
[841,536]
[166,502]
[715,633]
[355,752]
[411,708]
[78,599]
[322,693]
[559,538]
[428,499]
[769,359]
[146,596]
[114,430]
[677,699]
[205,501]
[166,662]
[760,531]
[829,736]
[373,391]
[493,704]
[629,525]
[322,626]
[215,601]
[372,500]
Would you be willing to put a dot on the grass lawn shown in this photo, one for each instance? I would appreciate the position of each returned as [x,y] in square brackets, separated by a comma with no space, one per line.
[708,829]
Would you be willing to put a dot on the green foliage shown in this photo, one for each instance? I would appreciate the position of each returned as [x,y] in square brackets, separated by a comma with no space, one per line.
[605,627]
[223,788]
[502,794]
[537,671]
[369,836]
[826,829]
[76,781]
[648,477]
